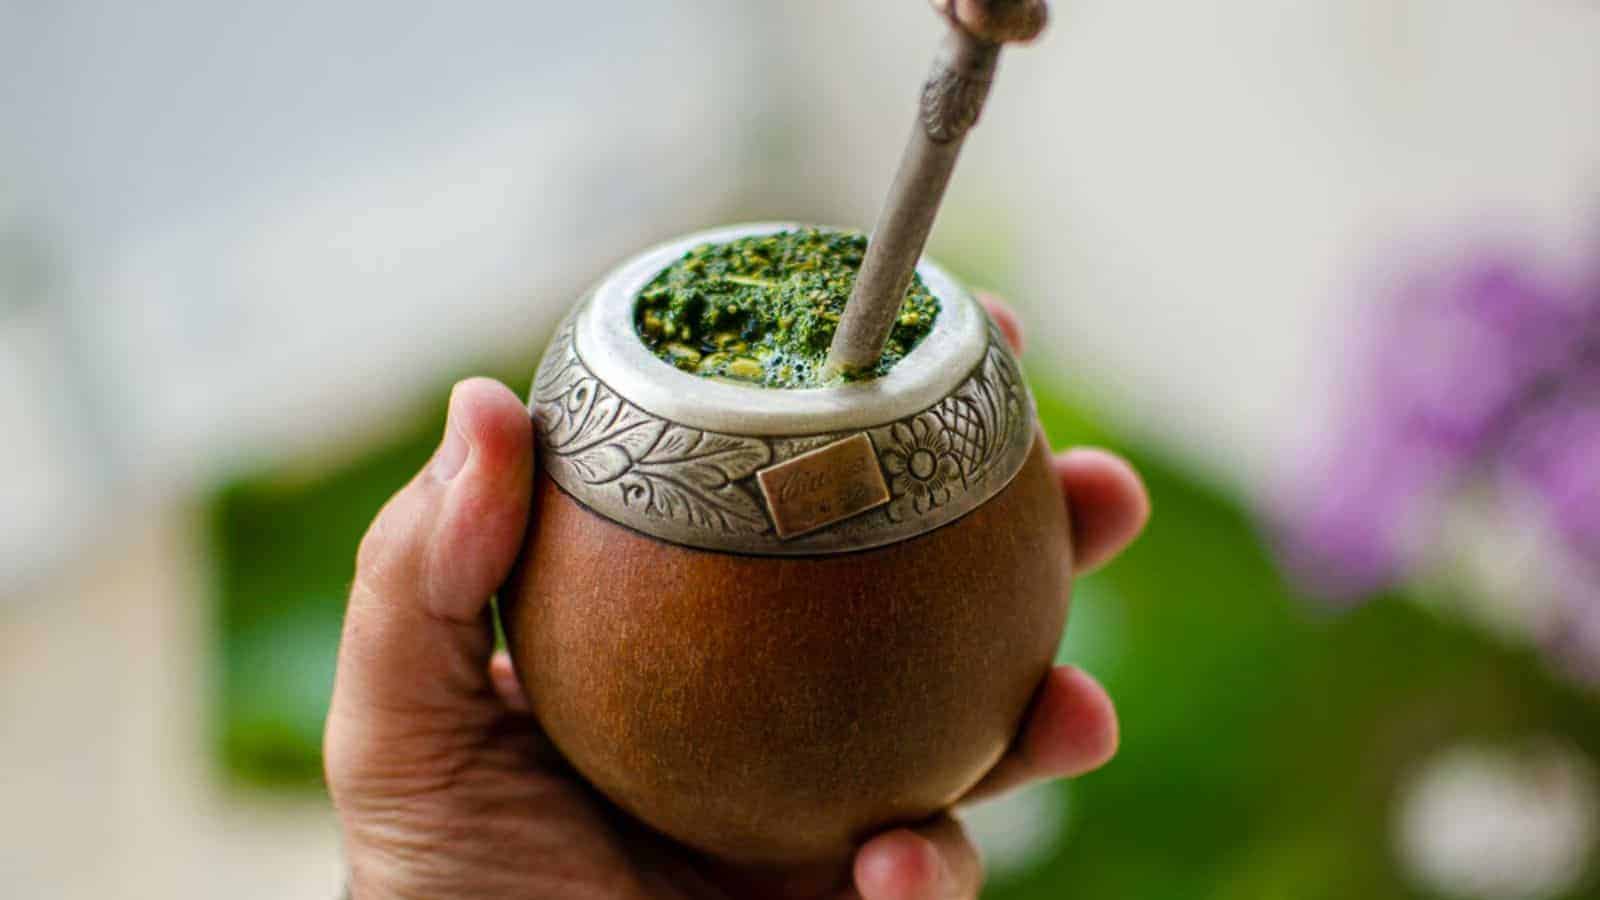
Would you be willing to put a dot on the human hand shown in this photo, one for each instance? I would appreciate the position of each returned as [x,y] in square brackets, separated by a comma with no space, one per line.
[444,785]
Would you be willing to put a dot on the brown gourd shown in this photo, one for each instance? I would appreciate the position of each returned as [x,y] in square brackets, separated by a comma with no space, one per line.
[769,623]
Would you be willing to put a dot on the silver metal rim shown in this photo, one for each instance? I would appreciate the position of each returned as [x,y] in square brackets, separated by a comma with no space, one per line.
[682,458]
[612,350]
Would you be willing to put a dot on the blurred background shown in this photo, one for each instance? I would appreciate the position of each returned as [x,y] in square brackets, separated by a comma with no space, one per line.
[1328,270]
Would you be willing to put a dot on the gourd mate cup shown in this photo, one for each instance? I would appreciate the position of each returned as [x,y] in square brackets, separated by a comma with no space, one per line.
[770,623]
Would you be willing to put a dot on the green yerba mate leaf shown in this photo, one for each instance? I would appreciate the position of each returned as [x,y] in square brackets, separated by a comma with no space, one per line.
[763,310]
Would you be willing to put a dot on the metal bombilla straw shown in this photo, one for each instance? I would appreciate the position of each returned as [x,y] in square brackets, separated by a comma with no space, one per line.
[952,101]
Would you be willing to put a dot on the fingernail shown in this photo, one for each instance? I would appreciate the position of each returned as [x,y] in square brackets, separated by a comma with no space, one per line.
[452,454]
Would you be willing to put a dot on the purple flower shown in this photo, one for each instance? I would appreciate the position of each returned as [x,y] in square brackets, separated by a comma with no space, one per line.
[1449,364]
[1354,514]
[1479,366]
[1462,344]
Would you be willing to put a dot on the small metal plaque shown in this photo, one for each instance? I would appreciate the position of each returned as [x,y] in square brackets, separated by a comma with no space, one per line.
[827,485]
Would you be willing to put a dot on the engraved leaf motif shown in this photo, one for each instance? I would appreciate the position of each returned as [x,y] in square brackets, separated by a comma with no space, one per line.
[995,392]
[591,414]
[559,365]
[629,463]
[728,509]
[984,396]
[667,470]
[602,415]
[617,452]
[563,415]
[1005,381]
[601,464]
[636,435]
[710,461]
[694,474]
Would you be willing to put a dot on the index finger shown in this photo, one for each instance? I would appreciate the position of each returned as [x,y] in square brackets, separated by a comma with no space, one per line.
[1107,503]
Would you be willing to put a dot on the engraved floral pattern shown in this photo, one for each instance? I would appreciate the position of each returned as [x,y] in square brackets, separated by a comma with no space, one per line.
[923,469]
[659,468]
[699,487]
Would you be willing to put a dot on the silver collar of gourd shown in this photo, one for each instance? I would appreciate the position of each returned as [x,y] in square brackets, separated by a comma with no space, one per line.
[734,468]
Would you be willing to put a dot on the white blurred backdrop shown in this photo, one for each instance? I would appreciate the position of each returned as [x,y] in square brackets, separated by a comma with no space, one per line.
[242,233]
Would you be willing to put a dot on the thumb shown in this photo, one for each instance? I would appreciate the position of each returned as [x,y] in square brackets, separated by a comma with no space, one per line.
[417,635]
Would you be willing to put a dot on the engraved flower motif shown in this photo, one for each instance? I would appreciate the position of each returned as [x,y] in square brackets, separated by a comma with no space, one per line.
[923,469]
